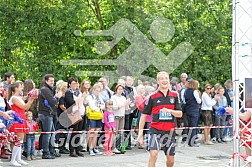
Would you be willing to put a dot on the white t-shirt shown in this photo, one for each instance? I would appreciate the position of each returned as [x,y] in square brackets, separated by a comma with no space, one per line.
[207,102]
[18,97]
[92,102]
[118,105]
[2,103]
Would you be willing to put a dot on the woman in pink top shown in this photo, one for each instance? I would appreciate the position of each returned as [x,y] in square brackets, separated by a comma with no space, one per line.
[139,99]
[109,127]
[148,91]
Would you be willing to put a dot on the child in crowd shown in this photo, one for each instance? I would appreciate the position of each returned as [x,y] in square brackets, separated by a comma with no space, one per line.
[109,127]
[30,138]
[2,120]
[220,120]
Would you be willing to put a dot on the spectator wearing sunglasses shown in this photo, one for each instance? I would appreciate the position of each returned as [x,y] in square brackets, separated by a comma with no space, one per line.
[207,104]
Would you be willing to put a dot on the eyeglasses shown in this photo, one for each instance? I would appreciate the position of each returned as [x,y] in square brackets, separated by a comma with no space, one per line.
[208,88]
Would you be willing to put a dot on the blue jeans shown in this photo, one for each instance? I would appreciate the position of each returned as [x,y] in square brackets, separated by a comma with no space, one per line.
[228,131]
[47,126]
[30,142]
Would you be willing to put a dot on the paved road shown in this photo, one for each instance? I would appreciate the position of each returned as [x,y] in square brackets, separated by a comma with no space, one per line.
[204,156]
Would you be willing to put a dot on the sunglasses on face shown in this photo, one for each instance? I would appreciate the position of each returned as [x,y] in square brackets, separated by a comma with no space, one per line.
[208,88]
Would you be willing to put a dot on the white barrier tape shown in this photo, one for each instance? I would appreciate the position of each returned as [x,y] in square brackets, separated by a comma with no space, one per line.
[183,128]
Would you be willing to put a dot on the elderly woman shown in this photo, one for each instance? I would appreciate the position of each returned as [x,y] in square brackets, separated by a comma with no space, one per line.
[73,97]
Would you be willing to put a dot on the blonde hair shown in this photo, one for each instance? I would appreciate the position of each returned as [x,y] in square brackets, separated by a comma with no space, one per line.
[109,102]
[219,88]
[162,73]
[82,86]
[192,84]
[28,113]
[196,85]
[60,85]
[96,86]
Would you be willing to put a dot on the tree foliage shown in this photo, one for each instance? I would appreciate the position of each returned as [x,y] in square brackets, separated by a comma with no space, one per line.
[35,35]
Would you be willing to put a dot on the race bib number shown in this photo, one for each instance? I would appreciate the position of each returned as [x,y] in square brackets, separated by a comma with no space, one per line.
[111,118]
[165,116]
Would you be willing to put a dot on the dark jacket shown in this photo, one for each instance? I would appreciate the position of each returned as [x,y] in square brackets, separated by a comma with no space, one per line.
[130,95]
[69,99]
[227,96]
[46,93]
[191,106]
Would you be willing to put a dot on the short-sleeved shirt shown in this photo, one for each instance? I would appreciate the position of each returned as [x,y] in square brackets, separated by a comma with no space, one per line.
[61,102]
[156,102]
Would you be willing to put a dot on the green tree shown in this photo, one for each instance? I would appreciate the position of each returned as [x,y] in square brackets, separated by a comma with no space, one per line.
[35,35]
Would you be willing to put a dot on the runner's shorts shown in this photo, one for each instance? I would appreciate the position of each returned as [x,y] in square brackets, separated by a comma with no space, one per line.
[166,141]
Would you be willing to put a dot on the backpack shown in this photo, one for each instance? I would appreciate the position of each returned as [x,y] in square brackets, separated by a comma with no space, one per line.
[122,141]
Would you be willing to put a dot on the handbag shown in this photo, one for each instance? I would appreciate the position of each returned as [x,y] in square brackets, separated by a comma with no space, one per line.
[93,115]
[74,116]
[70,117]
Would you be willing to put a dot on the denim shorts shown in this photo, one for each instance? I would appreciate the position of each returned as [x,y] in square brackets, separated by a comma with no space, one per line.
[95,123]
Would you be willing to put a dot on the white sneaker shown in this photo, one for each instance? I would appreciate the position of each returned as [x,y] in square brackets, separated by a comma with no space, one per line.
[39,153]
[91,153]
[116,151]
[97,152]
[22,162]
[213,139]
[14,163]
[227,139]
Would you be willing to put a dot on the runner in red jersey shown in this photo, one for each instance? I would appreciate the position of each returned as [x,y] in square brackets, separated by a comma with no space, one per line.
[164,106]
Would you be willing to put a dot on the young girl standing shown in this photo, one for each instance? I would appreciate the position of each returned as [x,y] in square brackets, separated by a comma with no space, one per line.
[18,105]
[109,127]
[30,138]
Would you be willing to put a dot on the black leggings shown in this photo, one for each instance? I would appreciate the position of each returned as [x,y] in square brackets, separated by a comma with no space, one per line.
[75,145]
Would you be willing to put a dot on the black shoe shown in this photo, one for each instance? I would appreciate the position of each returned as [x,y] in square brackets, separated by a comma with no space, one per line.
[128,148]
[219,141]
[223,141]
[56,154]
[48,157]
[64,151]
[83,150]
[194,145]
[79,154]
[24,153]
[72,154]
[80,147]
